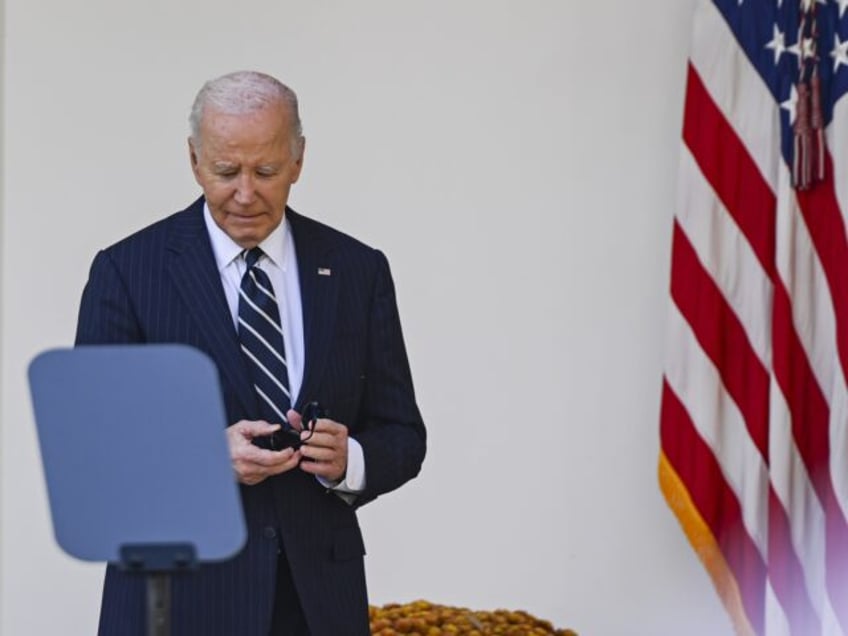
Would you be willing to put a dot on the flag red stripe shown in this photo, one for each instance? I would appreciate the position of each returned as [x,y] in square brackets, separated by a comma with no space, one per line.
[721,336]
[727,166]
[694,462]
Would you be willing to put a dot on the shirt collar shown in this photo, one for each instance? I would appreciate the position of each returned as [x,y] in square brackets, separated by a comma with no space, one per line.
[226,250]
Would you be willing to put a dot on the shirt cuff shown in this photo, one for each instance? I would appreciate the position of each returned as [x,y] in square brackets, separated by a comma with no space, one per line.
[354,479]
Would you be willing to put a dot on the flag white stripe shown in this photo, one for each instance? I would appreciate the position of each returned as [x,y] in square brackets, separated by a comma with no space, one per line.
[776,622]
[830,624]
[839,443]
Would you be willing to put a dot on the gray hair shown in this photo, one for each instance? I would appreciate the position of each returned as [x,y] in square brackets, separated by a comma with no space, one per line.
[244,92]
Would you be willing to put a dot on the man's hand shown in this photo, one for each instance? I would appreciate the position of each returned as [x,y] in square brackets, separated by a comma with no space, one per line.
[251,463]
[327,448]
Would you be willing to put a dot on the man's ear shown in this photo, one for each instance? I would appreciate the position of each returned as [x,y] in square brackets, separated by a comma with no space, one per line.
[192,155]
[299,162]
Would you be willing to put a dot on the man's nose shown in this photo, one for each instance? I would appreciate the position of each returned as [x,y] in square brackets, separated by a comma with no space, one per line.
[245,190]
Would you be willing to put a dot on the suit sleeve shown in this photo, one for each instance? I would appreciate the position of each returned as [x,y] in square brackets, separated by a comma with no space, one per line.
[106,315]
[393,439]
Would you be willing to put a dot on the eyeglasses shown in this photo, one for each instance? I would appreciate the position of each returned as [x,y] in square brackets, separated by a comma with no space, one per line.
[288,437]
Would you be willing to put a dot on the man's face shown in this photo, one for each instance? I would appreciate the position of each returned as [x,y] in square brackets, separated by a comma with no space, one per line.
[246,167]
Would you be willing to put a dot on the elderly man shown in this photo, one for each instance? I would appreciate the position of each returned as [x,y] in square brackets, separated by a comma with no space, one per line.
[292,312]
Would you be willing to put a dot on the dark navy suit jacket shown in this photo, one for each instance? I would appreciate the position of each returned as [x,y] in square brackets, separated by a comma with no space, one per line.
[161,285]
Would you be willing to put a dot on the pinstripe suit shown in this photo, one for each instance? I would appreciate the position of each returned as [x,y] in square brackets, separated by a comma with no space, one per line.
[162,285]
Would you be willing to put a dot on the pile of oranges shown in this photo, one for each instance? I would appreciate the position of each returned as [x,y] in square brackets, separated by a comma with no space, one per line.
[422,618]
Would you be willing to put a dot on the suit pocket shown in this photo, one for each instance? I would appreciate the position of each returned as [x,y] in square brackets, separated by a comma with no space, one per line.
[348,543]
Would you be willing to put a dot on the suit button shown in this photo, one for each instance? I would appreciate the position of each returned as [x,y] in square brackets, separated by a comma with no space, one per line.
[270,532]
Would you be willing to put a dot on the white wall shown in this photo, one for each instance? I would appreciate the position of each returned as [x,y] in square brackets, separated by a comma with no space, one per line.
[515,160]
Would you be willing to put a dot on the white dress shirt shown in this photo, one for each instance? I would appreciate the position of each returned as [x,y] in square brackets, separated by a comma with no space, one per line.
[280,264]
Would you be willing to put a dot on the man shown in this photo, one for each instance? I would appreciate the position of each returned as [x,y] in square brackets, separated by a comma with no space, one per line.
[194,278]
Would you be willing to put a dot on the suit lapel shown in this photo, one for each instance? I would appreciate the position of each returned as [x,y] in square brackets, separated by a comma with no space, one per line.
[195,275]
[319,286]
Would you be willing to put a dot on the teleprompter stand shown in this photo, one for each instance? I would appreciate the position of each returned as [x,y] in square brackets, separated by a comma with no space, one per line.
[136,461]
[158,562]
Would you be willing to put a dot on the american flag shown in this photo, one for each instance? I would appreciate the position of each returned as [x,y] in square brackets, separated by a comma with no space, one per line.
[754,417]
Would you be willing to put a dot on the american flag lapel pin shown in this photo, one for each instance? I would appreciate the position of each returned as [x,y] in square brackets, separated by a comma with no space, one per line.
[324,271]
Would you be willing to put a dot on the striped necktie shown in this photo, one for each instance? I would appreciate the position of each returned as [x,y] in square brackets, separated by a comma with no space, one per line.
[261,338]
